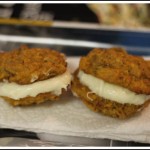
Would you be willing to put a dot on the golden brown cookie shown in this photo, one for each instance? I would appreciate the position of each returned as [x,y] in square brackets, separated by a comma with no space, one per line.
[115,67]
[39,72]
[27,65]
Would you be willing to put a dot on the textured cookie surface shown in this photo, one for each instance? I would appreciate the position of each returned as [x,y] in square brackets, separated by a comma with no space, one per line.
[117,67]
[28,65]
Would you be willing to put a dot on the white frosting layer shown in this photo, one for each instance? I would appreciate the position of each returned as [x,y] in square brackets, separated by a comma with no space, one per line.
[111,91]
[54,85]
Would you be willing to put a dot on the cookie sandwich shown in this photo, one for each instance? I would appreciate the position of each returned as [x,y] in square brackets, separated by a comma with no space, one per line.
[113,82]
[32,75]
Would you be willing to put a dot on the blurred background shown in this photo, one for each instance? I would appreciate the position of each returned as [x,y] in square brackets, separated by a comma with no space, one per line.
[131,15]
[75,29]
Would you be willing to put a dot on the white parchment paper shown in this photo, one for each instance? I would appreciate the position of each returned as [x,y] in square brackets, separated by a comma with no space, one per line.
[69,116]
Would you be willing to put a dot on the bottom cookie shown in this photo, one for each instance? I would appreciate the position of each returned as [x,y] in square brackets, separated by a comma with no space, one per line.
[104,106]
[32,100]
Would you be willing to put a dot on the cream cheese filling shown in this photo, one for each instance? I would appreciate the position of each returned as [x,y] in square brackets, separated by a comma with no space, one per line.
[54,85]
[110,91]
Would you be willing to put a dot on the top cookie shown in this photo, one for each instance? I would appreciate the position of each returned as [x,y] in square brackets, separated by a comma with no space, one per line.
[28,65]
[117,67]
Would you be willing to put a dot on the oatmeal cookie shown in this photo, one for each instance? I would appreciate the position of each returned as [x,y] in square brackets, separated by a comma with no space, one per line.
[27,65]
